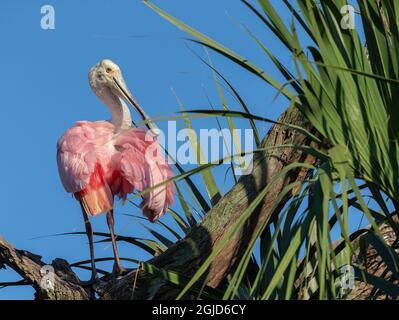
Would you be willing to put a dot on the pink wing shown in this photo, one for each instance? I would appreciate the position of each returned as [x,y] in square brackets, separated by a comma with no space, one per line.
[78,151]
[83,155]
[143,166]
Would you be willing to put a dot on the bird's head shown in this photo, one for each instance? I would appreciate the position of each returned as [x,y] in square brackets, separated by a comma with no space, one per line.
[106,75]
[106,78]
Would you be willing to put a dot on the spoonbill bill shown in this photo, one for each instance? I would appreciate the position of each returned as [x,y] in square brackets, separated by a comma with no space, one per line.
[100,160]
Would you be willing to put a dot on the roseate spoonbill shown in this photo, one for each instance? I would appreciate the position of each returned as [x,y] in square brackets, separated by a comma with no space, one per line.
[103,159]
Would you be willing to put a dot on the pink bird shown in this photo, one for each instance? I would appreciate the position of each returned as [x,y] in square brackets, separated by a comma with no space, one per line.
[100,160]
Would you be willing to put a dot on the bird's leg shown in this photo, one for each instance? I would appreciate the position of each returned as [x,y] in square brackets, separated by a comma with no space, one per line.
[89,232]
[117,269]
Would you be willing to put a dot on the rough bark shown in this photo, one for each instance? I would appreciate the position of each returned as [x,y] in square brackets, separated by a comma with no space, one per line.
[30,267]
[373,263]
[67,285]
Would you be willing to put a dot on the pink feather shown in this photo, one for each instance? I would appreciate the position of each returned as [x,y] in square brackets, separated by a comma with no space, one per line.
[96,164]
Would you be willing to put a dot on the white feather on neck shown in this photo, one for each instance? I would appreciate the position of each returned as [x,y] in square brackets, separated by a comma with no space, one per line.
[121,117]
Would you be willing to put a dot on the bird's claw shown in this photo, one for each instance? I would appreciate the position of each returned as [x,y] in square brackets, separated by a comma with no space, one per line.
[118,270]
[93,280]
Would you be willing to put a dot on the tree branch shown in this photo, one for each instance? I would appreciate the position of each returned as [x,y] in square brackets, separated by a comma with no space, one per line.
[30,267]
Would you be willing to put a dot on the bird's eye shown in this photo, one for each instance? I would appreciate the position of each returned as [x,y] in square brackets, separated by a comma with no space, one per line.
[108,70]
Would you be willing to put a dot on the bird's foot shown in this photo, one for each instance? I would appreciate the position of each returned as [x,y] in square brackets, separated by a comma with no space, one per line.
[93,280]
[118,270]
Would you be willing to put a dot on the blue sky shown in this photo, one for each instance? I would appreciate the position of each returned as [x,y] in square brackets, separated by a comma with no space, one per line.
[45,91]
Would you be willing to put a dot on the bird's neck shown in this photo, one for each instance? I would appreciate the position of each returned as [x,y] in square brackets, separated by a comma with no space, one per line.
[121,117]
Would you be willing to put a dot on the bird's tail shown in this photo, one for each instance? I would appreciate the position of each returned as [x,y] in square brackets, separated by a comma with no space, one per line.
[97,196]
[96,201]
